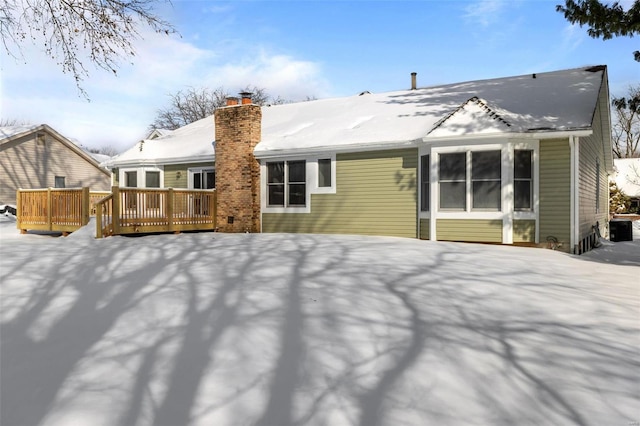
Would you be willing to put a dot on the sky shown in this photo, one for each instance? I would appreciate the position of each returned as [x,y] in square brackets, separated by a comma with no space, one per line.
[301,49]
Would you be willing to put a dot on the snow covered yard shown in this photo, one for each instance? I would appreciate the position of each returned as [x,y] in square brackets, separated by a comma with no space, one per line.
[280,329]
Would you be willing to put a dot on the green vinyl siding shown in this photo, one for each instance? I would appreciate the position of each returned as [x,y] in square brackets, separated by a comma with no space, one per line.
[555,191]
[116,177]
[375,195]
[469,230]
[177,175]
[524,231]
[425,227]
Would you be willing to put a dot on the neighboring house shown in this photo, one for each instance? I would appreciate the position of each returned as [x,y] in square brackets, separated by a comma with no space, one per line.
[36,156]
[515,160]
[627,178]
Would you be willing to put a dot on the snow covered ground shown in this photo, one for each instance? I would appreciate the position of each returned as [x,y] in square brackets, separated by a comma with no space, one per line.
[280,329]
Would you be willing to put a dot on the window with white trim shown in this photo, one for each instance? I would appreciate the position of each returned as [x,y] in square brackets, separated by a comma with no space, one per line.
[453,181]
[523,180]
[203,178]
[324,173]
[287,183]
[486,180]
[424,183]
[131,179]
[152,179]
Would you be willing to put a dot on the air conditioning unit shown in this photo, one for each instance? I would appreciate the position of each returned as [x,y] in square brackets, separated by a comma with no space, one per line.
[620,230]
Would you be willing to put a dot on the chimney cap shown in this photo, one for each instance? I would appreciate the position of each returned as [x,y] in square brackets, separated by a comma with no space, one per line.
[246,97]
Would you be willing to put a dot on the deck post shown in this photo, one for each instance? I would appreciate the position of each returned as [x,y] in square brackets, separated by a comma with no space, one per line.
[98,220]
[19,212]
[170,208]
[49,207]
[213,206]
[115,214]
[86,198]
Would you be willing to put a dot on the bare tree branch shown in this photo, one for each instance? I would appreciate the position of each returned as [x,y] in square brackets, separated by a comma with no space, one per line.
[626,124]
[72,31]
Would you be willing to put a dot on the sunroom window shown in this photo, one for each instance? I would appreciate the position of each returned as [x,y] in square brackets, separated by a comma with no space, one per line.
[523,180]
[485,180]
[424,183]
[453,181]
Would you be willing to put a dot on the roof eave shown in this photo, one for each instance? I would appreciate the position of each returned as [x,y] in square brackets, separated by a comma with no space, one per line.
[161,161]
[544,134]
[320,150]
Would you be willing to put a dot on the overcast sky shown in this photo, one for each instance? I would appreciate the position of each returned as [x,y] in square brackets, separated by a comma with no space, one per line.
[299,49]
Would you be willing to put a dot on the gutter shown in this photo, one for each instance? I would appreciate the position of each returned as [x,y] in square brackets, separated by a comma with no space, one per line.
[323,150]
[160,162]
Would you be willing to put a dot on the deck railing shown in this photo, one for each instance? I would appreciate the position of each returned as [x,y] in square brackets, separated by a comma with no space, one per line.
[144,210]
[52,209]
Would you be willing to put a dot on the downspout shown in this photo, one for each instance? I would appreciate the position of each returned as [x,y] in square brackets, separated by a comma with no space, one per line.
[575,194]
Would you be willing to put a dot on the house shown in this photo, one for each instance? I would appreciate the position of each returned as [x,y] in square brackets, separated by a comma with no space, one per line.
[514,160]
[37,156]
[627,179]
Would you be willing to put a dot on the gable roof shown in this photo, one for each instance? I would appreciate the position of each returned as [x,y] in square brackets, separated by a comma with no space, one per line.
[473,114]
[557,101]
[11,133]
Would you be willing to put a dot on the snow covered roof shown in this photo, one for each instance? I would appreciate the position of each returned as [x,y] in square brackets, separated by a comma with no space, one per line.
[546,102]
[7,132]
[190,143]
[627,175]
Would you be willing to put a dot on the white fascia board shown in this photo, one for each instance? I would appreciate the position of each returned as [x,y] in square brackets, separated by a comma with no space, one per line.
[322,150]
[511,135]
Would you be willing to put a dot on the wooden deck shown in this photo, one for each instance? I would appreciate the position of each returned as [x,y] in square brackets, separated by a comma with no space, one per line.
[121,211]
[52,209]
[139,211]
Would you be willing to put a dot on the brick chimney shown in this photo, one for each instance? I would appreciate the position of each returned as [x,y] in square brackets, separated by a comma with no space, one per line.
[238,131]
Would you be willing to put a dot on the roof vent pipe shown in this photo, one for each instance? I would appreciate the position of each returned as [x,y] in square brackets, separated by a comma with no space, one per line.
[413,80]
[246,97]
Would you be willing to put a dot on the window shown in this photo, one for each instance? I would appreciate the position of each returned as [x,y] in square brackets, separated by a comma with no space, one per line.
[453,181]
[131,179]
[59,182]
[523,180]
[297,186]
[275,184]
[152,179]
[324,173]
[486,180]
[286,184]
[204,179]
[424,183]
